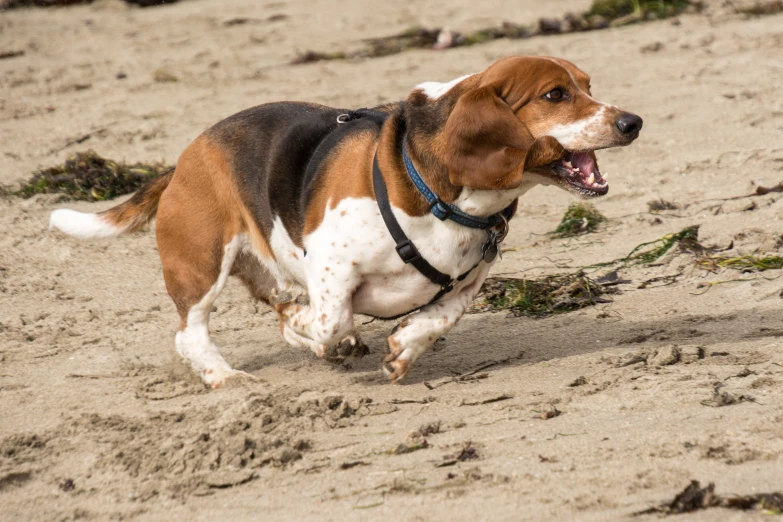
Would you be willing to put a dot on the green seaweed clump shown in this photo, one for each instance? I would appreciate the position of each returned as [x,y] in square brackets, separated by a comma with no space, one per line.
[745,264]
[580,218]
[614,9]
[314,56]
[549,295]
[86,176]
[687,237]
[412,38]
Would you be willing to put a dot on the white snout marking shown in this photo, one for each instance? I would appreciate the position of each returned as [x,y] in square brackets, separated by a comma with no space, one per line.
[582,134]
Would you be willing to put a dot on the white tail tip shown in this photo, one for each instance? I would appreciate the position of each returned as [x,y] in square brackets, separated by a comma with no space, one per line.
[81,225]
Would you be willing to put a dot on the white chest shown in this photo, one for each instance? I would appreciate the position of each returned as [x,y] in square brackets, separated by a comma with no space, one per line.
[353,236]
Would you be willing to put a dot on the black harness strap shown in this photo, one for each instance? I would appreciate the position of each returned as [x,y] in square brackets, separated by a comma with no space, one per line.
[404,246]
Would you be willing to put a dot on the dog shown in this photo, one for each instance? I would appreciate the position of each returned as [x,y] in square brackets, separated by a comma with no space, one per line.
[393,211]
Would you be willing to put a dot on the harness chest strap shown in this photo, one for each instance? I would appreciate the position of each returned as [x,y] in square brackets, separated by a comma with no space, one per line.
[404,246]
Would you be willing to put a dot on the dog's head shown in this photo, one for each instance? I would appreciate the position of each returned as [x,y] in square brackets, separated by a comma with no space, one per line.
[527,114]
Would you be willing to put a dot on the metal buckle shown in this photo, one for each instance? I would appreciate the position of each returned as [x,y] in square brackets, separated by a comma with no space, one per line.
[408,252]
[344,118]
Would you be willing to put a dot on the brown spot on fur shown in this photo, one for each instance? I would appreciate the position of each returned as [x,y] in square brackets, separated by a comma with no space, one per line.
[395,348]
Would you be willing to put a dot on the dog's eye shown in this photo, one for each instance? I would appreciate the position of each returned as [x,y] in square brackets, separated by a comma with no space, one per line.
[556,94]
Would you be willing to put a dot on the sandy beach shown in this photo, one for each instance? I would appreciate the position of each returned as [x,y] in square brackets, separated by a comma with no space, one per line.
[590,415]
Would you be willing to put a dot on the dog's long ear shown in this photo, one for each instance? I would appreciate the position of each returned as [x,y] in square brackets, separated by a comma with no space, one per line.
[486,144]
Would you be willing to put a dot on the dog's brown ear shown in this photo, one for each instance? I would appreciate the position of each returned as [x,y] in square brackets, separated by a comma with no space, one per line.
[486,144]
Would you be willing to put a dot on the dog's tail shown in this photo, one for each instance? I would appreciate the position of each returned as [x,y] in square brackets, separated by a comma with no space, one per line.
[126,217]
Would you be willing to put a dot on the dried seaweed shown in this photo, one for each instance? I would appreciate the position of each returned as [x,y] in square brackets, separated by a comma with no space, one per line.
[580,218]
[468,452]
[694,497]
[549,295]
[761,8]
[602,14]
[651,251]
[312,57]
[657,205]
[617,9]
[745,264]
[87,176]
[689,236]
[15,4]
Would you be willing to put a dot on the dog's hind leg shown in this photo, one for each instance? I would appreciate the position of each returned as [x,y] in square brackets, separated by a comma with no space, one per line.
[194,296]
[199,239]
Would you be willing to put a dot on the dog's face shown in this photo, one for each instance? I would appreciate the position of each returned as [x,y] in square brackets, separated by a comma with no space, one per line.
[535,115]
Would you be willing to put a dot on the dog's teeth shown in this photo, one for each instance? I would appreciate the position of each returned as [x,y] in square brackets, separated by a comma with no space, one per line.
[576,169]
[591,179]
[568,164]
[605,176]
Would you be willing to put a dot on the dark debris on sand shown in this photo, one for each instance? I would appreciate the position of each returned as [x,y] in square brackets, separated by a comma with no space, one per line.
[15,4]
[86,176]
[694,497]
[467,452]
[601,15]
[539,297]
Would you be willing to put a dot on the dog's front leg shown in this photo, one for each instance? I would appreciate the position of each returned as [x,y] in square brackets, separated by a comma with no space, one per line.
[419,331]
[328,319]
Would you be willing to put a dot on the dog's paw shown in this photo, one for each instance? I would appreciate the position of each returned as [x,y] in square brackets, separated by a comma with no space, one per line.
[396,369]
[351,346]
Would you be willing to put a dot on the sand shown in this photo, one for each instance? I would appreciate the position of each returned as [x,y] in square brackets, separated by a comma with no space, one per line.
[101,421]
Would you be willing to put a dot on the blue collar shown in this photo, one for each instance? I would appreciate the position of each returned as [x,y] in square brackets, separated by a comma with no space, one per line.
[438,207]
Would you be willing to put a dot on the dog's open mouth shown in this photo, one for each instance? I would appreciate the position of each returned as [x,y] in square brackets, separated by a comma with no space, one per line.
[580,171]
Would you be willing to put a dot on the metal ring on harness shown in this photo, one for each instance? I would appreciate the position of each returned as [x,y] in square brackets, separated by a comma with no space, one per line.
[504,231]
[344,118]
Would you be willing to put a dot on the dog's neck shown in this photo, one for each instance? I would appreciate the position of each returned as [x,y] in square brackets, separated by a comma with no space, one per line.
[481,203]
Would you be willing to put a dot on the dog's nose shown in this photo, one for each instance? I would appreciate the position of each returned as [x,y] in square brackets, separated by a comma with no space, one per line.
[629,124]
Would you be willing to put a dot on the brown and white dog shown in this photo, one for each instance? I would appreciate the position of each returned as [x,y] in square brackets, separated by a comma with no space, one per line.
[281,196]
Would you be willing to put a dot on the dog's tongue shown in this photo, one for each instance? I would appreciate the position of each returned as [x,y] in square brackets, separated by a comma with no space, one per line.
[584,162]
